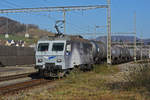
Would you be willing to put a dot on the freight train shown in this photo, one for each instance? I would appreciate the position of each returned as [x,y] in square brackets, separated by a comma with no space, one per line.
[56,55]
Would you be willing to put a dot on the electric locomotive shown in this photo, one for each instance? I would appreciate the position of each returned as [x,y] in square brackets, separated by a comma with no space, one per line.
[57,55]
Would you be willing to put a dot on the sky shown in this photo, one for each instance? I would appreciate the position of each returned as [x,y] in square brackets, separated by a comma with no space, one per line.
[80,22]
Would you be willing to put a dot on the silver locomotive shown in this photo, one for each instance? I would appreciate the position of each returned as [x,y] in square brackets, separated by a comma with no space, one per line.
[57,55]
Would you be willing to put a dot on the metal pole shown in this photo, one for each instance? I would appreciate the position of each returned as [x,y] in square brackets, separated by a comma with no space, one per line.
[141,47]
[135,37]
[7,26]
[64,15]
[149,52]
[53,9]
[95,33]
[26,28]
[109,32]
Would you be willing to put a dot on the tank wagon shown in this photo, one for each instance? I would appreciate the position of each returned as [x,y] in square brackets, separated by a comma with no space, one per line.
[120,54]
[145,54]
[99,51]
[56,55]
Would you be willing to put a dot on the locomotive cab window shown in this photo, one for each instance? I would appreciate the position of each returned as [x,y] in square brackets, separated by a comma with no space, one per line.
[58,47]
[43,46]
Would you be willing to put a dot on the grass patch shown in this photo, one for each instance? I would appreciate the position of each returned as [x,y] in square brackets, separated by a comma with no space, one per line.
[105,69]
[139,77]
[90,85]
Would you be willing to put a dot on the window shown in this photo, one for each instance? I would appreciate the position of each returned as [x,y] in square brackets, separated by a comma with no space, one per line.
[58,47]
[43,47]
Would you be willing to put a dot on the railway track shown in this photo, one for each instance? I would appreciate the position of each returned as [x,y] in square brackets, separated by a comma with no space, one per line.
[7,78]
[13,88]
[21,86]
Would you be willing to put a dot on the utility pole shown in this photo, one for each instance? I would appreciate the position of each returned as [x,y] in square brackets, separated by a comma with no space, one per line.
[64,16]
[6,34]
[141,47]
[26,28]
[109,32]
[149,52]
[94,32]
[7,26]
[26,34]
[135,37]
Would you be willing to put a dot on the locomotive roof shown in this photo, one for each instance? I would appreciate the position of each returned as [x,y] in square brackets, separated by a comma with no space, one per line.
[64,37]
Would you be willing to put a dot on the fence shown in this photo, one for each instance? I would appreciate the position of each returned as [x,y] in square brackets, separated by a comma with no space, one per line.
[11,55]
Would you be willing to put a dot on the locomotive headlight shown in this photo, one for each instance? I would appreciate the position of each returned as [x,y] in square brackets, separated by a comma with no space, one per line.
[59,60]
[40,60]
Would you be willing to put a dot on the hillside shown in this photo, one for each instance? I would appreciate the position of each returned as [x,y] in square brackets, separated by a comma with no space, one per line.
[17,31]
[13,27]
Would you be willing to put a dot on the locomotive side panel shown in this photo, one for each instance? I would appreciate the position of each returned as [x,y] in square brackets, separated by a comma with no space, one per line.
[81,53]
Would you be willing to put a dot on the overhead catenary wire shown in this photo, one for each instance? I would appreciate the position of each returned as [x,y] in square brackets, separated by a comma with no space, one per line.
[50,9]
[75,27]
[80,31]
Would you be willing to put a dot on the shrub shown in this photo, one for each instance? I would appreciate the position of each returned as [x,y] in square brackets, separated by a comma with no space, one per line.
[136,76]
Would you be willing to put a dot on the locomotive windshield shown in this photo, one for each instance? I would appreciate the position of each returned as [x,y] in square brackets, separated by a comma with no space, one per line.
[58,47]
[43,47]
